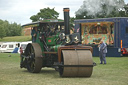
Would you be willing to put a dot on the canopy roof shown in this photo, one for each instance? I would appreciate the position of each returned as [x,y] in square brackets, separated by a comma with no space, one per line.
[46,21]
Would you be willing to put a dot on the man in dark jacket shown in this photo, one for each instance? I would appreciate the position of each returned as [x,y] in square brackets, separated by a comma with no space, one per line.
[102,52]
[33,34]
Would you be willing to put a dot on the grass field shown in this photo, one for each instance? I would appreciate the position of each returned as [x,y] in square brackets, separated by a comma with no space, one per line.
[16,39]
[115,72]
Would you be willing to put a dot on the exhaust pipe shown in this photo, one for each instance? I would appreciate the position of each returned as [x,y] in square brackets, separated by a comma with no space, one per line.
[66,20]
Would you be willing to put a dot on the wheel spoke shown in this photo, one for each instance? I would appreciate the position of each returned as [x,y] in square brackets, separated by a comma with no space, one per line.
[31,60]
[33,63]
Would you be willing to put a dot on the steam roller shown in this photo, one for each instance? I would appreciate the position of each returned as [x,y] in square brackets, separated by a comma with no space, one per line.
[57,48]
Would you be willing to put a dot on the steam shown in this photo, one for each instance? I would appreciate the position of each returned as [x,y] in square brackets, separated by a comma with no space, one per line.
[92,7]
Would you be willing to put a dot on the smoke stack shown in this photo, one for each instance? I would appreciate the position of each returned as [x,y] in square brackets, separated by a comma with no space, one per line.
[66,20]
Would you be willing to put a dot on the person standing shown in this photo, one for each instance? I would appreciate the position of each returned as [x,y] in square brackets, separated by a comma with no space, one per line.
[102,52]
[33,34]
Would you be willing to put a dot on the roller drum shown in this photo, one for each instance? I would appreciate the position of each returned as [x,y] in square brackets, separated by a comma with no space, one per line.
[77,63]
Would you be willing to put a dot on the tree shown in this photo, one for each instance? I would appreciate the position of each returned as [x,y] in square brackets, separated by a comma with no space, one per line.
[34,18]
[124,11]
[45,13]
[15,30]
[72,20]
[2,31]
[7,29]
[100,9]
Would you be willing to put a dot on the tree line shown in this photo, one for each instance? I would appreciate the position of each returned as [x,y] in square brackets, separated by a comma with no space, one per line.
[90,9]
[9,29]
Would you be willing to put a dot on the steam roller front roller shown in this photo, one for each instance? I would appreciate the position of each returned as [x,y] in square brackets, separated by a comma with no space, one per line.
[76,63]
[34,59]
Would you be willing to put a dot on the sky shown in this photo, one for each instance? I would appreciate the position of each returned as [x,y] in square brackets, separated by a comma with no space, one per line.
[20,11]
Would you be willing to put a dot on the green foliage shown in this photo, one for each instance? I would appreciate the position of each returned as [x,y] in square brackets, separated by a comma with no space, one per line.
[34,18]
[2,31]
[14,30]
[72,22]
[102,9]
[7,29]
[45,13]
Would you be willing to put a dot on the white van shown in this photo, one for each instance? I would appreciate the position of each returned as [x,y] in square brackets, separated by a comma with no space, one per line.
[8,46]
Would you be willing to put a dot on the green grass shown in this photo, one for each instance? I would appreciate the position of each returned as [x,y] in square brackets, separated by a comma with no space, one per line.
[16,39]
[115,72]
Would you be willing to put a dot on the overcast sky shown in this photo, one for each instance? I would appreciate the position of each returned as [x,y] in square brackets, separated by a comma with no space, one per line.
[19,11]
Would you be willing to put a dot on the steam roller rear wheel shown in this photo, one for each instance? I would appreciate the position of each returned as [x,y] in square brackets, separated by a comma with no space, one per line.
[77,63]
[34,62]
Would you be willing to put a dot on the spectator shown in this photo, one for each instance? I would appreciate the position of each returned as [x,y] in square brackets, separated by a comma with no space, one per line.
[102,52]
